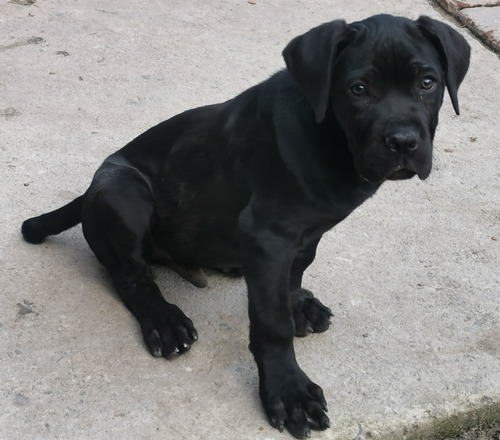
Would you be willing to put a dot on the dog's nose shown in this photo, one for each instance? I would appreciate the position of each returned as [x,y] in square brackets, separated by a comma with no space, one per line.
[402,141]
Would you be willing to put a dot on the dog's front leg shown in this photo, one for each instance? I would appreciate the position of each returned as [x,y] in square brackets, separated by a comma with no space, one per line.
[309,314]
[289,397]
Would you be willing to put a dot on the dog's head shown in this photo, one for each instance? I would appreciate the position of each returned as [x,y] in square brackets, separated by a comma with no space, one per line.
[383,81]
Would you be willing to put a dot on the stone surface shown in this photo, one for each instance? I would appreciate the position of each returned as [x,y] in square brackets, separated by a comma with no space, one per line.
[482,17]
[485,22]
[455,6]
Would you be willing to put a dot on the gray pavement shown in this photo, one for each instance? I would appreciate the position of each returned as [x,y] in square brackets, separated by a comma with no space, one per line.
[413,276]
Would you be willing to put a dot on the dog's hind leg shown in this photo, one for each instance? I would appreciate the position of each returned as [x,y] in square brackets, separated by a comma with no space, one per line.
[309,314]
[116,220]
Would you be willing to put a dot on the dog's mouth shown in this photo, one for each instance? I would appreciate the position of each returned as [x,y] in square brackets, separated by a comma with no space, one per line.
[399,173]
[402,174]
[380,167]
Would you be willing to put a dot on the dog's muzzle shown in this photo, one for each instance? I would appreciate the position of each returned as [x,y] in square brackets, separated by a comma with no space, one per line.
[406,153]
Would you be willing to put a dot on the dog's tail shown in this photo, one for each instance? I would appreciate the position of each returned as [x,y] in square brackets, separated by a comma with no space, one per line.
[36,229]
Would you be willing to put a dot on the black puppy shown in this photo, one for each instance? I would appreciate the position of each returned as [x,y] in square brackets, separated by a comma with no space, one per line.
[253,183]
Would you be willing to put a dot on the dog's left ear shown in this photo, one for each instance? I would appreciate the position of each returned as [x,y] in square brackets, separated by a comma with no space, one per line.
[453,50]
[309,59]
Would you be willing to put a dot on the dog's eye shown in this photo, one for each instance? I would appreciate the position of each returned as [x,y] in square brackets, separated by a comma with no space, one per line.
[359,89]
[427,83]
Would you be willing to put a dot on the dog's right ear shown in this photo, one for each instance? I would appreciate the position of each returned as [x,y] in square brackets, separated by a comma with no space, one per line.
[309,59]
[453,50]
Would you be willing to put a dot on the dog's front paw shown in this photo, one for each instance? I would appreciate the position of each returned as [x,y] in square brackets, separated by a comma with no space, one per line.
[167,331]
[308,313]
[295,402]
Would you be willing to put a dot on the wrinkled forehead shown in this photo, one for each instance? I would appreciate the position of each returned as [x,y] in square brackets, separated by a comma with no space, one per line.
[393,49]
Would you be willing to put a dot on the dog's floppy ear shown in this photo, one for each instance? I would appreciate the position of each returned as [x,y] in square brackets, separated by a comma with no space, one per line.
[453,50]
[309,59]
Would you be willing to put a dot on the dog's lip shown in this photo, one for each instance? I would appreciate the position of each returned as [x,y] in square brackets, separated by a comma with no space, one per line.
[372,169]
[407,171]
[397,174]
[402,174]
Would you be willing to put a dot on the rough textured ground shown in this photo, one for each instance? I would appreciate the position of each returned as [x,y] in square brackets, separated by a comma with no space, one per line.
[412,276]
[482,434]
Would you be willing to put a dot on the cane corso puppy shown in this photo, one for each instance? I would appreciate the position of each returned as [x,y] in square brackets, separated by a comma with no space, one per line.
[250,186]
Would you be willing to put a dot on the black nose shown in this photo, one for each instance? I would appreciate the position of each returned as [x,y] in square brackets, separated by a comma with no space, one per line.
[402,141]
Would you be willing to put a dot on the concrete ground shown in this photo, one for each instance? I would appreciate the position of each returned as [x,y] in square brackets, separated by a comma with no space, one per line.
[413,276]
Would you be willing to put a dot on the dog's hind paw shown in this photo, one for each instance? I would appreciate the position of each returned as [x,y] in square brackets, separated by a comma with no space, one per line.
[168,332]
[309,314]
